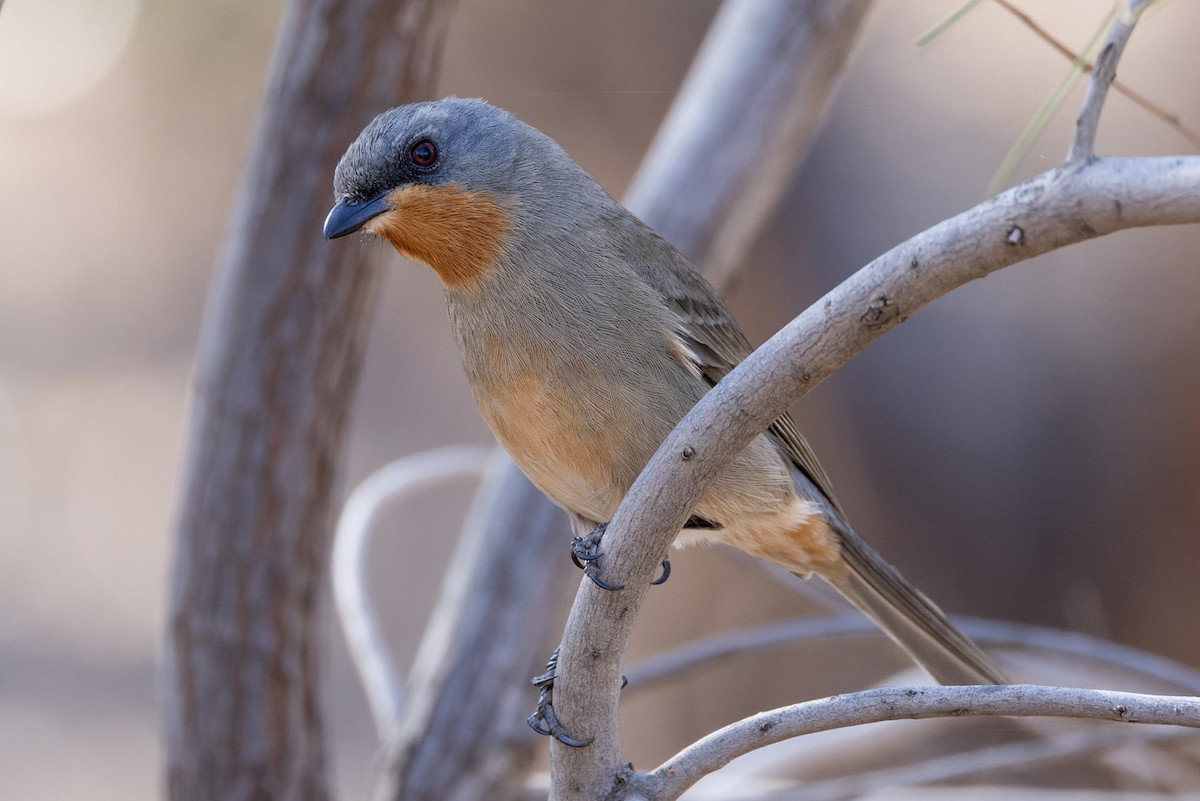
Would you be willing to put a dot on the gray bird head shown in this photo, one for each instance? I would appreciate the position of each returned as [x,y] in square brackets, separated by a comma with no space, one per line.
[467,144]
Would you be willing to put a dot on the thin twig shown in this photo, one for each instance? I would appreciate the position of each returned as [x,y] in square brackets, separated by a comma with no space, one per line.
[908,703]
[1103,74]
[1045,112]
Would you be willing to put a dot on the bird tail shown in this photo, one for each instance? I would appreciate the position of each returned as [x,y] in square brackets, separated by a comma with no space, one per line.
[913,621]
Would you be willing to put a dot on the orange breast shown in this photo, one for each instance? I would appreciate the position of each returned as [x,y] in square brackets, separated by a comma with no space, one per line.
[459,234]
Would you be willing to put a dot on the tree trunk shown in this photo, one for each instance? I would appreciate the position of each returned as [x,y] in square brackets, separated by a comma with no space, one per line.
[277,368]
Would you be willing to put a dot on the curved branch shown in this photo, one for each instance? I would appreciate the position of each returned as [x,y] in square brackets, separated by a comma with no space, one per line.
[1061,207]
[908,703]
[351,589]
[1073,203]
[463,734]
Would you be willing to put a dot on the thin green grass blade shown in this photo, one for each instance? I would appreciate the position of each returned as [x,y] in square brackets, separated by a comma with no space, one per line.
[1034,128]
[945,24]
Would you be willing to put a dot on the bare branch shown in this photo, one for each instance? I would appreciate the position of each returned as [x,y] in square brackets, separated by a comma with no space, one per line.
[275,376]
[967,763]
[1076,202]
[907,703]
[351,589]
[670,664]
[765,71]
[1103,74]
[463,735]
[1132,660]
[1064,206]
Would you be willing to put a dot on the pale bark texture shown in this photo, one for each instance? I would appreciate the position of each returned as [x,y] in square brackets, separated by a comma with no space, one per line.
[276,373]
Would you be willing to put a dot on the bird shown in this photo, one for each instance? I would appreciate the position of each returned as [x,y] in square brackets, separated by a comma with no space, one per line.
[585,338]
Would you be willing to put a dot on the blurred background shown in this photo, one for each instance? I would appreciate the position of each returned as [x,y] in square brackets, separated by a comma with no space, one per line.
[1026,448]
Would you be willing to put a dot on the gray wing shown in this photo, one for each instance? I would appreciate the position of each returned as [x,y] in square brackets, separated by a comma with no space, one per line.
[715,343]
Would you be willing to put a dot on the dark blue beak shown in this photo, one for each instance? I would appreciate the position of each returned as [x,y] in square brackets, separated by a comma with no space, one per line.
[346,217]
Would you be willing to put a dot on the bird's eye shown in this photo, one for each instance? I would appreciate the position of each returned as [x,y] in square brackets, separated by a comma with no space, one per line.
[423,153]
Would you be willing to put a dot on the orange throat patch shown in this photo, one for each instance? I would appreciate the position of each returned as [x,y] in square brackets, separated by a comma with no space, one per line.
[459,234]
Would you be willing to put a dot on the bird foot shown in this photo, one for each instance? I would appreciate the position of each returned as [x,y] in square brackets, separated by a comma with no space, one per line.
[585,551]
[543,720]
[666,572]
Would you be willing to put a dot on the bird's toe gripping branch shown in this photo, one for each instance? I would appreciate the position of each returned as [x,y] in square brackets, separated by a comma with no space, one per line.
[585,551]
[543,720]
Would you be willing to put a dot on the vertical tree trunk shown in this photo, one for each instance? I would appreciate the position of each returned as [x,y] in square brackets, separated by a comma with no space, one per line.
[276,373]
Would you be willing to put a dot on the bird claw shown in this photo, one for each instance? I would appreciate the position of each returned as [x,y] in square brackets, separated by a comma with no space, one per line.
[586,548]
[543,720]
[592,571]
[585,551]
[666,573]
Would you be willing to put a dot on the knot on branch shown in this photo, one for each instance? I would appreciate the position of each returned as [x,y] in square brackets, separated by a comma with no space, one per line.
[880,312]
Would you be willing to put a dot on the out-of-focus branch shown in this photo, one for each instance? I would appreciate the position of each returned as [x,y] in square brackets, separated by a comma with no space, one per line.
[907,703]
[276,372]
[463,735]
[744,119]
[991,758]
[671,664]
[351,589]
